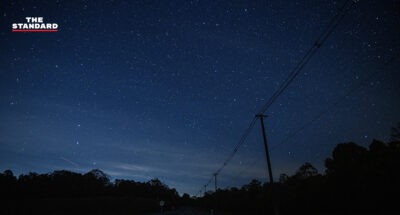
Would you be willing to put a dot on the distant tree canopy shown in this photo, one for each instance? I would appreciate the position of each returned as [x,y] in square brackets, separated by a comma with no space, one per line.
[91,193]
[357,180]
[395,135]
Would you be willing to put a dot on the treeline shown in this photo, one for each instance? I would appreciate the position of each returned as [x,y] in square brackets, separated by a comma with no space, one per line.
[357,180]
[65,192]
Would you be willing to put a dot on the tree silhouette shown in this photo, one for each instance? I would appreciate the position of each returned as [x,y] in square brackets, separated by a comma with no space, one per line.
[357,180]
[395,135]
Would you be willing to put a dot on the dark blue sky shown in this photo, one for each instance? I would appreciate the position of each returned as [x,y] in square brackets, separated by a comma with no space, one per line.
[144,89]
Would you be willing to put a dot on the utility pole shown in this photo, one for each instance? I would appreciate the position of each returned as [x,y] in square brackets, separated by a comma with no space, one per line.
[215,179]
[205,189]
[215,194]
[271,179]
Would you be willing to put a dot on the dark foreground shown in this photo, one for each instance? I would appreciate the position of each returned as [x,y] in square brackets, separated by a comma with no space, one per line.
[183,211]
[357,180]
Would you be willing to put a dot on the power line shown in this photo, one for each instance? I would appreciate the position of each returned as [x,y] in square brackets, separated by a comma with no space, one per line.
[292,75]
[309,54]
[241,141]
[365,81]
[232,154]
[322,113]
[341,99]
[246,169]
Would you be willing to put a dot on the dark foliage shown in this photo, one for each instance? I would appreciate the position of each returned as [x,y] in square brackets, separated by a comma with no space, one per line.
[65,192]
[357,180]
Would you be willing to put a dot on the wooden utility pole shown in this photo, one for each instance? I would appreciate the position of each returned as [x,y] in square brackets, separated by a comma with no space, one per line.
[215,179]
[215,194]
[271,178]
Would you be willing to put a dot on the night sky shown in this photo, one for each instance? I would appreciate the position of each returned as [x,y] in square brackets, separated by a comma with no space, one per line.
[146,89]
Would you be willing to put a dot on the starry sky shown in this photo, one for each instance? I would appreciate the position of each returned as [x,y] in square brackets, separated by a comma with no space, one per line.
[145,89]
